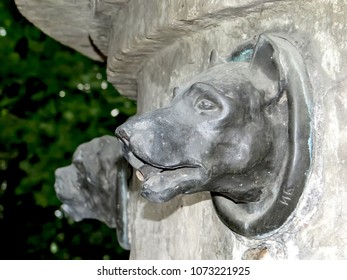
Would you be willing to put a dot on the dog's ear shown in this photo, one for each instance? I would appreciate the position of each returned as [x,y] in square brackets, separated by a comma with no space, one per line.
[266,67]
[215,59]
[175,92]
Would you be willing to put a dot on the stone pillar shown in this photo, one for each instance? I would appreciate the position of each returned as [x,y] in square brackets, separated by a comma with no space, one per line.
[153,46]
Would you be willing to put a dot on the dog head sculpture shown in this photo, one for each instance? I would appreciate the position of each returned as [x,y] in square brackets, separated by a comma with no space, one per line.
[229,131]
[214,126]
[92,187]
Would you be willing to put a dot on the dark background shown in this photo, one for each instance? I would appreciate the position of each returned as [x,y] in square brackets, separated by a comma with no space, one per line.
[51,100]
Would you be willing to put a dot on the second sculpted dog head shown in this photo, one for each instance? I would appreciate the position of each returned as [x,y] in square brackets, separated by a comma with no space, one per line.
[213,131]
[88,186]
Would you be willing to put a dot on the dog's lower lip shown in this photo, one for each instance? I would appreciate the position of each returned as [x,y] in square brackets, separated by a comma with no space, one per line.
[150,164]
[164,168]
[147,171]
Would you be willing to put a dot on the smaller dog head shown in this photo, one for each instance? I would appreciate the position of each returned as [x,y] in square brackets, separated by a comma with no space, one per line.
[87,187]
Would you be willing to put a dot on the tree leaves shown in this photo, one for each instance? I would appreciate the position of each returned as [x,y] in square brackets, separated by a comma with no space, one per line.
[51,100]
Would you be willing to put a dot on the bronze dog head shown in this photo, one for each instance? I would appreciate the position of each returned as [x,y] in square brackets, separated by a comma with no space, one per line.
[213,128]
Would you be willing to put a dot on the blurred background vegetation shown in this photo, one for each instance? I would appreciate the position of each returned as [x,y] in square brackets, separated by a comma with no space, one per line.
[51,100]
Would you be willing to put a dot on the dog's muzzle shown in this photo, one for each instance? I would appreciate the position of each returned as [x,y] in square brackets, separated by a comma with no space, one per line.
[161,183]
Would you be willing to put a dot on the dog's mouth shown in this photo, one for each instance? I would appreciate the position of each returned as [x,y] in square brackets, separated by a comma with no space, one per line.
[161,183]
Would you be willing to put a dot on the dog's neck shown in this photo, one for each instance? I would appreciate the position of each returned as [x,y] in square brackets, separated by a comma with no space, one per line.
[252,186]
[258,184]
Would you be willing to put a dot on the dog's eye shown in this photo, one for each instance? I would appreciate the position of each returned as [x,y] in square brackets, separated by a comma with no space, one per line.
[206,105]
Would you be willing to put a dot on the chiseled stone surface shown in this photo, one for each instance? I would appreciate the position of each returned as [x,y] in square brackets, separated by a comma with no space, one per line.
[156,45]
[148,27]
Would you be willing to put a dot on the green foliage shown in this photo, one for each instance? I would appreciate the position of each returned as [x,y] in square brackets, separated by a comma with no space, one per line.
[51,100]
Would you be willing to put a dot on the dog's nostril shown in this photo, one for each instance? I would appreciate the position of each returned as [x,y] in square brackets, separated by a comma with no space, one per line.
[122,135]
[119,132]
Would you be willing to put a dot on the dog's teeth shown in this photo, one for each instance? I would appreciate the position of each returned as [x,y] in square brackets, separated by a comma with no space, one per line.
[139,175]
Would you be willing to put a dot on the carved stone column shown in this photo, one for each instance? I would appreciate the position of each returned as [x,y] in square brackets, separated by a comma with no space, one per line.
[153,46]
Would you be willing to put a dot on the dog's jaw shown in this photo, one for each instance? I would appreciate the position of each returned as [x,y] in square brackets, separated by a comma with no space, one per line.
[160,184]
[167,184]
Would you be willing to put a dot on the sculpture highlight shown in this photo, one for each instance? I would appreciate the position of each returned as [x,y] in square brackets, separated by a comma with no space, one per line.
[240,130]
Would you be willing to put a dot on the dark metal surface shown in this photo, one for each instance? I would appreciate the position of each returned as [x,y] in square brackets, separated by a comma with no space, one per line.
[240,130]
[94,186]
